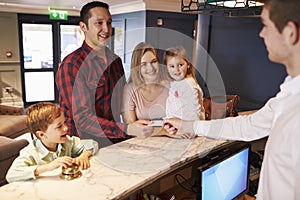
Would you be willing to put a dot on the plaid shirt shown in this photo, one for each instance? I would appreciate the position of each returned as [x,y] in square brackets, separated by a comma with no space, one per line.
[90,94]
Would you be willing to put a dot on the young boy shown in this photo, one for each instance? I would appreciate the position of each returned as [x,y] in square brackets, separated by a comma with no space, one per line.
[52,147]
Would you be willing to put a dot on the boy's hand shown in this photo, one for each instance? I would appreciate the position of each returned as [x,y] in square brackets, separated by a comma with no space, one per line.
[83,160]
[64,161]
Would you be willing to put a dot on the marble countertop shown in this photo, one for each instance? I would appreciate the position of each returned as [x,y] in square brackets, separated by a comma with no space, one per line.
[116,171]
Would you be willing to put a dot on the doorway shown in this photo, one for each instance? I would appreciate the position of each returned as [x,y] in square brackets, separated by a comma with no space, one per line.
[43,45]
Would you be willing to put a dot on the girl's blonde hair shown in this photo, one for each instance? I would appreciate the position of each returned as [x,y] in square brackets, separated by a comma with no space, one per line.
[41,115]
[182,53]
[135,68]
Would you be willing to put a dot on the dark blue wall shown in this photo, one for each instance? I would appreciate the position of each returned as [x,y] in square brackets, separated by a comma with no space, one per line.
[177,29]
[134,32]
[241,57]
[233,45]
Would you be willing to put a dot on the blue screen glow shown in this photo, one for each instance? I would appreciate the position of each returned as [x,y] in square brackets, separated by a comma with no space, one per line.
[227,179]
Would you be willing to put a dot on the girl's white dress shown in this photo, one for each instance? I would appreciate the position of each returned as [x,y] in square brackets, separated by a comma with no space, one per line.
[185,100]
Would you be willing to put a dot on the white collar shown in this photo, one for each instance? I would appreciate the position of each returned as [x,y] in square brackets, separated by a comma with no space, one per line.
[42,150]
[291,85]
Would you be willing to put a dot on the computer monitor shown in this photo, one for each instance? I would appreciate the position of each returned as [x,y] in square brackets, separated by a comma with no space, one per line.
[224,174]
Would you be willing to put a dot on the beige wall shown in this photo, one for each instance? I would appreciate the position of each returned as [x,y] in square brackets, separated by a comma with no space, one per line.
[10,70]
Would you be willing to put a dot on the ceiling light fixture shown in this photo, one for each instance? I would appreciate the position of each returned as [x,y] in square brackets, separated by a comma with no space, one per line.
[234,3]
[229,8]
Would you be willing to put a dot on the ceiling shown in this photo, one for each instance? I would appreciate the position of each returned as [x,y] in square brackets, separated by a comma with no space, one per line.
[42,6]
[62,4]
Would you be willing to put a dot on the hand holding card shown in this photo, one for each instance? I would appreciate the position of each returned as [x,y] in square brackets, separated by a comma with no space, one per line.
[156,122]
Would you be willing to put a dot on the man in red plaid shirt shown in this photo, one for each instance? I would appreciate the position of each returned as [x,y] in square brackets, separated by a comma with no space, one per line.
[90,82]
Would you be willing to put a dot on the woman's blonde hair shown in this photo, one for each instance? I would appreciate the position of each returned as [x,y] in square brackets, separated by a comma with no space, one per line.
[182,53]
[135,68]
[41,115]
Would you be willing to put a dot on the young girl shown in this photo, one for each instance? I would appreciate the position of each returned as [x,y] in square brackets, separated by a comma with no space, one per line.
[52,147]
[185,100]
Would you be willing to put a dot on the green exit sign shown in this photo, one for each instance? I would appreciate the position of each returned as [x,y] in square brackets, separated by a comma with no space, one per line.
[58,15]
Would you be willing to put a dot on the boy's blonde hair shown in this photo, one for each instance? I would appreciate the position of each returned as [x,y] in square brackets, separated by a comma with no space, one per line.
[135,68]
[41,115]
[182,53]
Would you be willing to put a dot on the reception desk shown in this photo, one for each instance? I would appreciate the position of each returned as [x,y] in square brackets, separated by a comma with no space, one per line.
[117,171]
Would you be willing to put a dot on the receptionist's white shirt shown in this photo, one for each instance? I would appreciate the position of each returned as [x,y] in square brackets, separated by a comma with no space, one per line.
[280,120]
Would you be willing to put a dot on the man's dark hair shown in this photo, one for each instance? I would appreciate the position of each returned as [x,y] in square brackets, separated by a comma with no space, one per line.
[85,10]
[283,11]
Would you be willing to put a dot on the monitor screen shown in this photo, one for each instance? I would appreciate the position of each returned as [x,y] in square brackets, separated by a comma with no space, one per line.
[225,177]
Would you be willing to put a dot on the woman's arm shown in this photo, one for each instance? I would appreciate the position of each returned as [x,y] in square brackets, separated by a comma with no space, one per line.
[127,111]
[129,116]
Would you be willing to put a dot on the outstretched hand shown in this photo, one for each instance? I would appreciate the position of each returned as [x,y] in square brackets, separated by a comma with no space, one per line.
[179,128]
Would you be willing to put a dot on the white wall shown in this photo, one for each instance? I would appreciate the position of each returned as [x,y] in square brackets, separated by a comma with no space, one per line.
[10,71]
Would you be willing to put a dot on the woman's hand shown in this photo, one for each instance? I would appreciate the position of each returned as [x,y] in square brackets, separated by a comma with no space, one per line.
[140,128]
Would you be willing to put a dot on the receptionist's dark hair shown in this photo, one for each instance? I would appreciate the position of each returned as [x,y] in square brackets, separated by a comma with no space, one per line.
[283,11]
